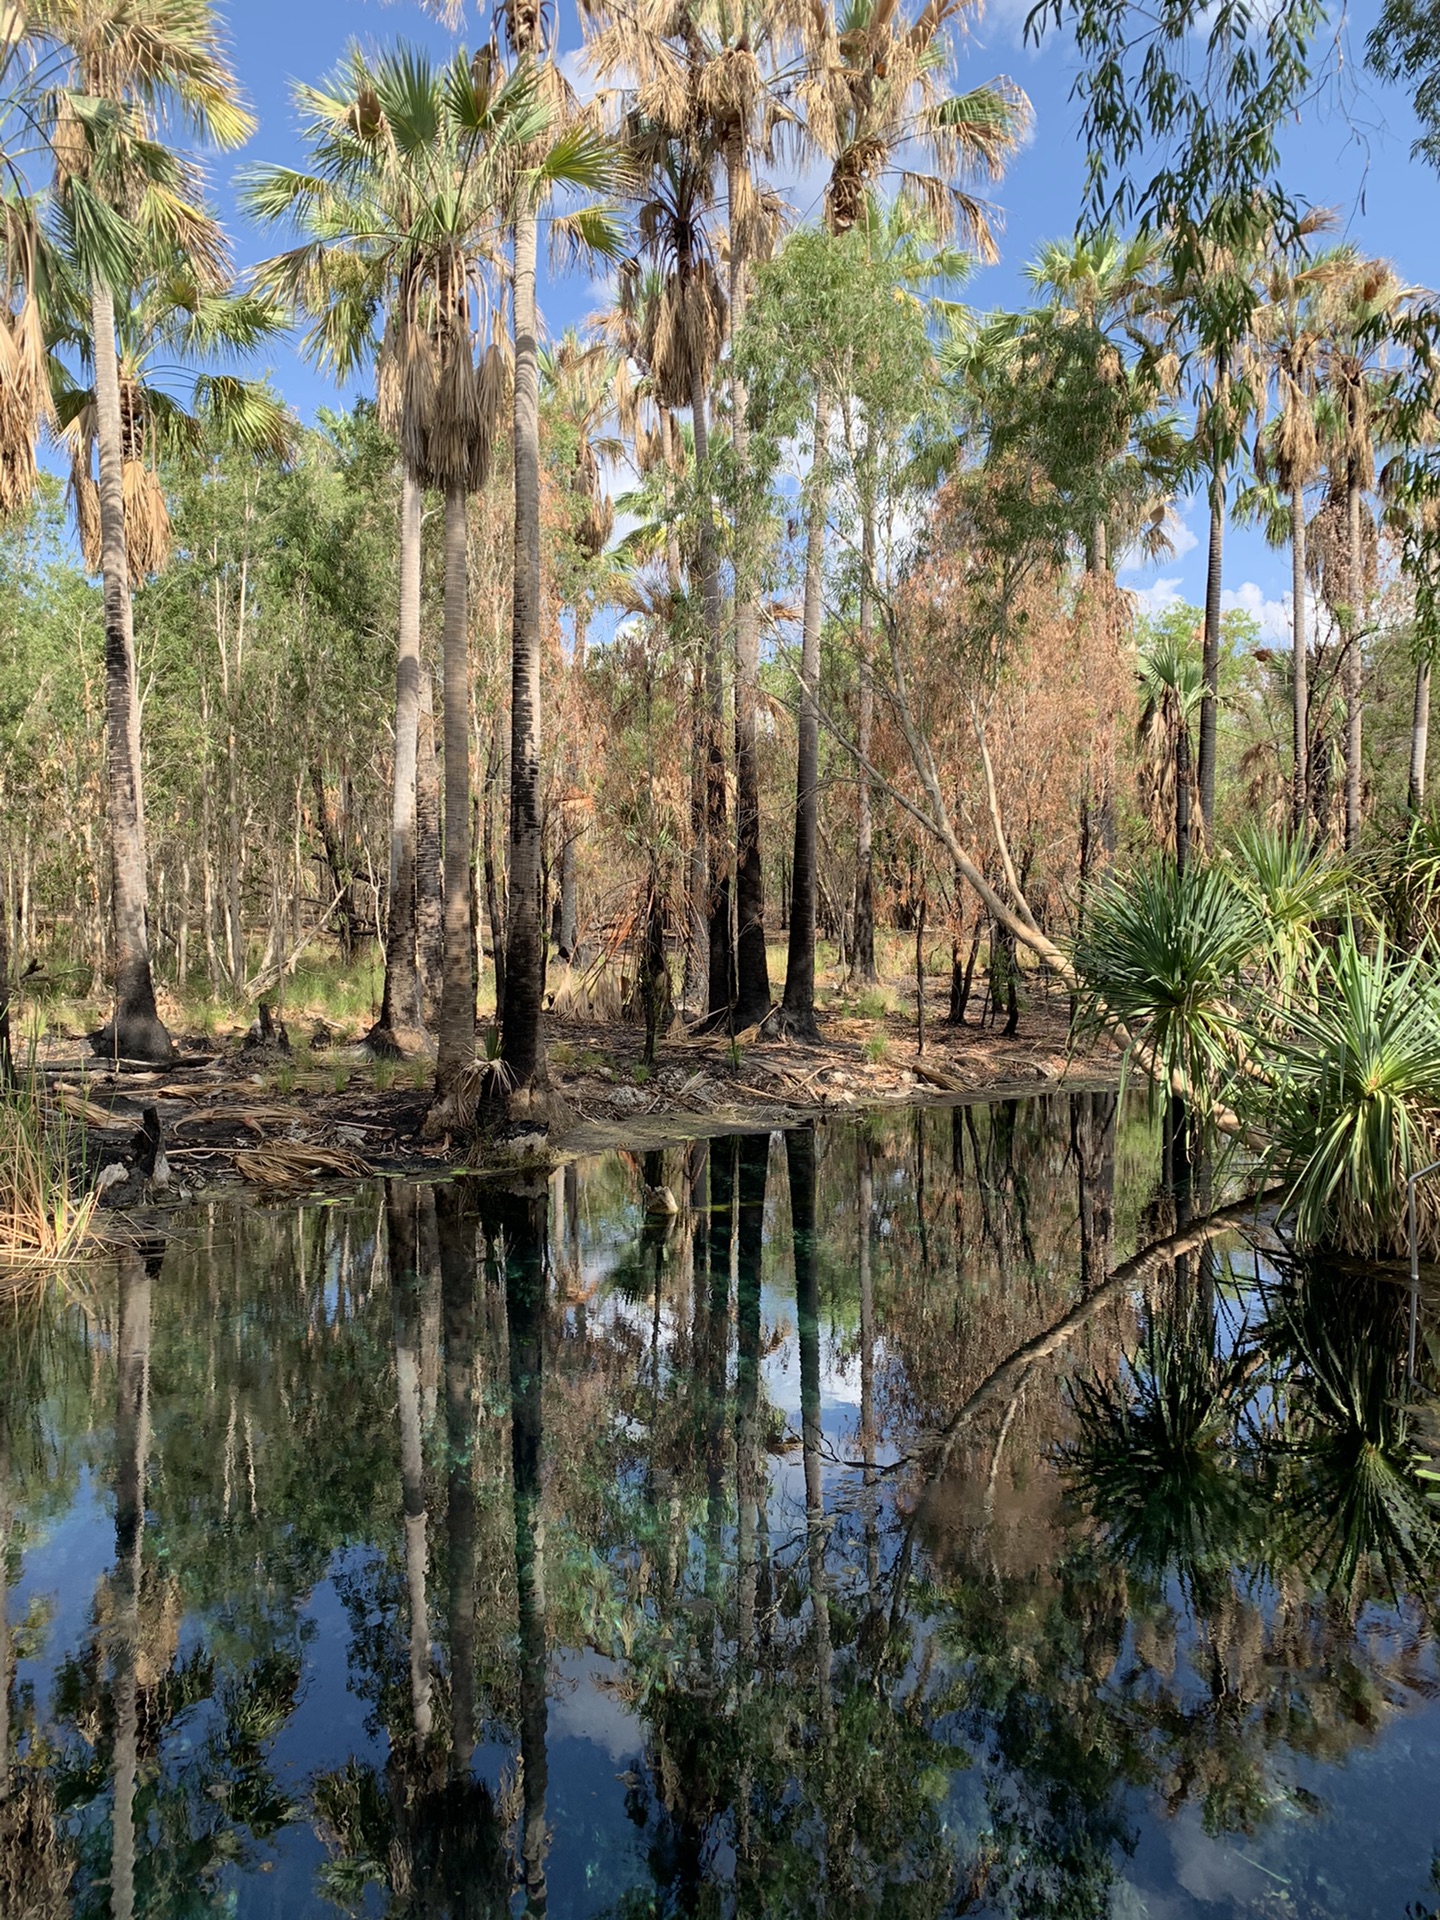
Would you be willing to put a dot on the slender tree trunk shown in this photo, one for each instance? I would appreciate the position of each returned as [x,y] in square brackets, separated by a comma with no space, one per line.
[1354,673]
[457,1001]
[863,955]
[135,1032]
[401,1009]
[1210,652]
[800,1159]
[522,1231]
[1300,796]
[569,896]
[494,888]
[752,970]
[799,1002]
[1182,797]
[721,949]
[7,1063]
[429,879]
[455,1228]
[1419,737]
[523,1043]
[697,953]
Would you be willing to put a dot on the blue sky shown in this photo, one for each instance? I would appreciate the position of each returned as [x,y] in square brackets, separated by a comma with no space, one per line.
[1351,152]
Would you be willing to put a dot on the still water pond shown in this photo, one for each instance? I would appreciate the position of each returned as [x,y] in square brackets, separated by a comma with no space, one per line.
[835,1544]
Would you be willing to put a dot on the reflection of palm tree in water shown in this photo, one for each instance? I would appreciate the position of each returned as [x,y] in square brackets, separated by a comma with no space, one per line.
[132,1444]
[750,1480]
[401,1207]
[518,1222]
[800,1159]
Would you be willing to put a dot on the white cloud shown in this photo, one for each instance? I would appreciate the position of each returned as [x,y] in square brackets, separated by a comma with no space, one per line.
[1158,595]
[1272,616]
[1182,537]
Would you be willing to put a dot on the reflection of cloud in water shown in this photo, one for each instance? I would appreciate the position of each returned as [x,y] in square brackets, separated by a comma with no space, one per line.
[583,1707]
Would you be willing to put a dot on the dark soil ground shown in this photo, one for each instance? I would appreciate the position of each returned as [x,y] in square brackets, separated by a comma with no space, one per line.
[326,1109]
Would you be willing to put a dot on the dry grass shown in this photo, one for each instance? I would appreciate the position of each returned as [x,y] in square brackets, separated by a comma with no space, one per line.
[43,1219]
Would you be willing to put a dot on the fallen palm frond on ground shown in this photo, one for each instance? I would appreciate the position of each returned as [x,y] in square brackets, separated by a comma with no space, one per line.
[287,1165]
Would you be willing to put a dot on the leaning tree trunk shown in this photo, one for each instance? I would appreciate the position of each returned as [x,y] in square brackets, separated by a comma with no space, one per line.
[402,1013]
[457,995]
[135,1032]
[1300,794]
[1354,678]
[523,1041]
[863,954]
[1419,738]
[799,1002]
[722,953]
[1210,653]
[752,971]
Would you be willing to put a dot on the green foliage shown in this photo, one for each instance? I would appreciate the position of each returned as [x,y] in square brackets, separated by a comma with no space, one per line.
[1356,1103]
[1298,888]
[1163,959]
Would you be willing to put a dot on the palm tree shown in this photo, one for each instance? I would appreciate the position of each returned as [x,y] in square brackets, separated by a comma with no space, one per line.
[1290,327]
[125,64]
[873,93]
[414,171]
[1362,308]
[1172,688]
[579,383]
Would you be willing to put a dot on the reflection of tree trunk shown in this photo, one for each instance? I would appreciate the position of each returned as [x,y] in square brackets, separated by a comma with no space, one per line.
[800,1160]
[754,1168]
[456,1227]
[865,1202]
[401,1202]
[1092,1139]
[717,1344]
[522,1221]
[4,1606]
[132,1444]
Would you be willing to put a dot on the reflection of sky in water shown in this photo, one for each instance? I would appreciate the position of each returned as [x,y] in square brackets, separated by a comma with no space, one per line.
[1348,1830]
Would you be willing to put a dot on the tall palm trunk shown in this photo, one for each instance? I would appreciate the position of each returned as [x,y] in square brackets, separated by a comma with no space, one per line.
[135,1032]
[752,971]
[799,1002]
[722,952]
[1354,676]
[1182,796]
[457,997]
[863,951]
[523,1043]
[1210,652]
[1419,737]
[401,1008]
[429,880]
[1300,796]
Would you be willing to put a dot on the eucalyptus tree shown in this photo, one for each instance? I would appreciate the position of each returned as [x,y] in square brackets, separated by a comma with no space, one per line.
[127,66]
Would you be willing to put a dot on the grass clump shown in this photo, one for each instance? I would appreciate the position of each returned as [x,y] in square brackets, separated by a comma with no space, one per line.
[44,1216]
[876,1048]
[876,1003]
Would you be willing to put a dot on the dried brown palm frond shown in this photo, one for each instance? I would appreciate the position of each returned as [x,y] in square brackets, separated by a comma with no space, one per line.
[147,519]
[728,92]
[289,1166]
[25,400]
[683,333]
